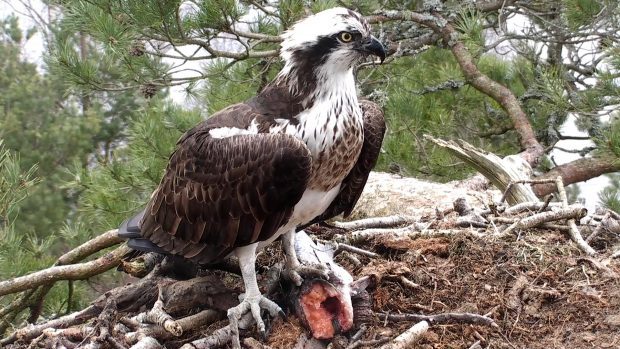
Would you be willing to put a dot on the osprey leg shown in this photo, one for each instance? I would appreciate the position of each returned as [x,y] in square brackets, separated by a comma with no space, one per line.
[253,300]
[293,269]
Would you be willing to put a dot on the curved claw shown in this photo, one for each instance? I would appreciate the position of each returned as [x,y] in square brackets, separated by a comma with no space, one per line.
[295,272]
[254,305]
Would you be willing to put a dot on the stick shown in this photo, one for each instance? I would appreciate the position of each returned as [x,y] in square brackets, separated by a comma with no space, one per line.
[573,232]
[599,227]
[375,222]
[568,212]
[373,343]
[220,336]
[476,345]
[64,272]
[188,323]
[512,184]
[445,318]
[407,338]
[147,343]
[412,232]
[528,206]
[342,247]
[34,331]
[158,316]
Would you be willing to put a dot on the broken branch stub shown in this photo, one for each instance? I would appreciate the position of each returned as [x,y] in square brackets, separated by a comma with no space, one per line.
[500,172]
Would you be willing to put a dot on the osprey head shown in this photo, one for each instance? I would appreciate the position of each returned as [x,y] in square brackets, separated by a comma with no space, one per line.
[337,38]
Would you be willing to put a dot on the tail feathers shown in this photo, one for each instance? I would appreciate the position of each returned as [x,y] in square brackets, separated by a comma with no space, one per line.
[145,246]
[130,229]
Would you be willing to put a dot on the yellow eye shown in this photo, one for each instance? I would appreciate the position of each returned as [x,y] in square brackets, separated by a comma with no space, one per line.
[346,37]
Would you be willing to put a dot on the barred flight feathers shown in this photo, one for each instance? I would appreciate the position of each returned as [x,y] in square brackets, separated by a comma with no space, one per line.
[221,193]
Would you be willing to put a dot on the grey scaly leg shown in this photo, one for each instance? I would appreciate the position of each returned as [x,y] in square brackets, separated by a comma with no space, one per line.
[253,300]
[294,269]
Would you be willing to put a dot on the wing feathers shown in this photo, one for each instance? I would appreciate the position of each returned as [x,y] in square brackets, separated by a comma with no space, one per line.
[218,194]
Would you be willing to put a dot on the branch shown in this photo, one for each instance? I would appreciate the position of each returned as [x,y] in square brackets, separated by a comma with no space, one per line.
[100,242]
[577,171]
[444,86]
[500,93]
[31,332]
[407,338]
[569,212]
[65,272]
[445,318]
[573,232]
[375,222]
[500,172]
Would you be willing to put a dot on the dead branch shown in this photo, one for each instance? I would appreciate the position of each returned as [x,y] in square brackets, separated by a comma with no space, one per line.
[139,267]
[476,345]
[252,343]
[186,324]
[147,343]
[157,315]
[524,181]
[532,206]
[407,338]
[64,272]
[220,336]
[33,331]
[599,227]
[445,318]
[411,232]
[342,247]
[573,232]
[537,219]
[373,343]
[33,299]
[375,222]
[500,172]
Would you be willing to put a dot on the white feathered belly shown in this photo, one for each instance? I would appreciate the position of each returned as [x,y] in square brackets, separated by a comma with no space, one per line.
[312,204]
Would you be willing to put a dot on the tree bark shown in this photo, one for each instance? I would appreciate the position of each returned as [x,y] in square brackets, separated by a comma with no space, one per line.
[576,171]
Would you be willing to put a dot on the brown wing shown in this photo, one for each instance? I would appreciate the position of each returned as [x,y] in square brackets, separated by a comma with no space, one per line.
[353,185]
[219,194]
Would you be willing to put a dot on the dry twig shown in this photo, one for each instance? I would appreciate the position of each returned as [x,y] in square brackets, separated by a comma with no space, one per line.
[407,338]
[573,231]
[569,212]
[375,222]
[158,316]
[445,318]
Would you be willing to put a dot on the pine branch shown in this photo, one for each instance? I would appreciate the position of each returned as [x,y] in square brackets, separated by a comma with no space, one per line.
[577,171]
[500,93]
[65,272]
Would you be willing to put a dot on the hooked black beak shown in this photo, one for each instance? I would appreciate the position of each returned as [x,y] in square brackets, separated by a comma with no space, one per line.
[374,47]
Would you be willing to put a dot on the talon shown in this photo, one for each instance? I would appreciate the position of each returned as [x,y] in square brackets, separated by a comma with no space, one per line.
[295,272]
[254,305]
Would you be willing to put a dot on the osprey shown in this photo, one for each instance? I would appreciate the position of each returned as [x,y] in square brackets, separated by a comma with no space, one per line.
[297,153]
